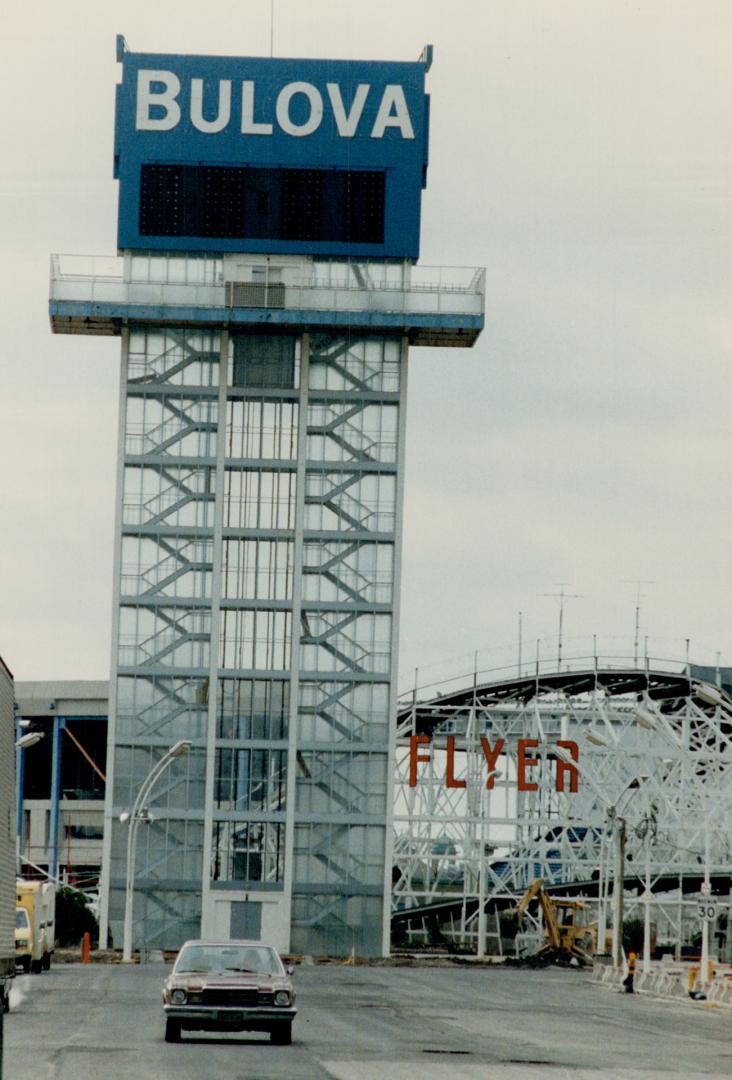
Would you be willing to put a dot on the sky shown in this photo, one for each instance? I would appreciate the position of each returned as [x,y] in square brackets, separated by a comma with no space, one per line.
[580,152]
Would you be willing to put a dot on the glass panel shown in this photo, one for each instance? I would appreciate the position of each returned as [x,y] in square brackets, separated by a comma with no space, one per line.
[350,854]
[336,711]
[329,783]
[264,360]
[253,709]
[168,707]
[261,429]
[255,639]
[257,569]
[166,566]
[351,502]
[337,571]
[259,499]
[172,637]
[169,495]
[250,779]
[371,363]
[345,641]
[180,788]
[171,427]
[248,851]
[348,431]
[334,923]
[176,356]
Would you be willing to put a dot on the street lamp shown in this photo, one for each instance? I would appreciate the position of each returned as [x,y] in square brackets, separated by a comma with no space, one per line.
[140,815]
[21,743]
[619,877]
[646,830]
[29,739]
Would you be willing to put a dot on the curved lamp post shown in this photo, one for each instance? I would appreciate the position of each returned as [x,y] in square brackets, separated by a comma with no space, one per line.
[137,815]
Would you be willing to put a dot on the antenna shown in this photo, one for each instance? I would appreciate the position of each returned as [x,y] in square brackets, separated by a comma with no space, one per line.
[638,598]
[520,640]
[561,596]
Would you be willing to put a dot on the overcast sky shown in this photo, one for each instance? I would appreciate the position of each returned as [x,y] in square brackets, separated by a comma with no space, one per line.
[580,151]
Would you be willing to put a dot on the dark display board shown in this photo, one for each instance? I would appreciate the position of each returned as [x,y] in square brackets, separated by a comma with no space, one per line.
[249,203]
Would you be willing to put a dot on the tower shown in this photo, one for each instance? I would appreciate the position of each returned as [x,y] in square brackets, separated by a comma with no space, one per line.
[266,296]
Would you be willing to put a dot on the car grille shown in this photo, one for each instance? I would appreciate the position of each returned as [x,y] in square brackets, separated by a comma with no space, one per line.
[236,997]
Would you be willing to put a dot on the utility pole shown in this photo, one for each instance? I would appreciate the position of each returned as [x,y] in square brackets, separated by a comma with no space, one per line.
[618,893]
[703,979]
[619,828]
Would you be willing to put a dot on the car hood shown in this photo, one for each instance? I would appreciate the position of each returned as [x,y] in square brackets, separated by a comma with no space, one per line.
[194,980]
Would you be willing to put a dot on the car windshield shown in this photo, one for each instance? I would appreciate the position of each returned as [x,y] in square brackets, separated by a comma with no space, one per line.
[257,959]
[21,919]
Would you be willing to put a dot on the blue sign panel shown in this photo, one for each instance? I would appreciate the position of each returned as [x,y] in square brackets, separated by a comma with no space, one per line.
[247,154]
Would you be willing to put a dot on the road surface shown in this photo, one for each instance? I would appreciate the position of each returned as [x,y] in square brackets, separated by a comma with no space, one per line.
[104,1022]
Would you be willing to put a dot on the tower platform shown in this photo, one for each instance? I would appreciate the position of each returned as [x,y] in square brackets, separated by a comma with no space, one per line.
[433,306]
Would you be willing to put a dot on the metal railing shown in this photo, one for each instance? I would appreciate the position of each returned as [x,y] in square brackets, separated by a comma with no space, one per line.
[167,281]
[544,658]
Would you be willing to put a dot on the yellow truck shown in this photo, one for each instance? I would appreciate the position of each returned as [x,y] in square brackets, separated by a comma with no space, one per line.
[35,915]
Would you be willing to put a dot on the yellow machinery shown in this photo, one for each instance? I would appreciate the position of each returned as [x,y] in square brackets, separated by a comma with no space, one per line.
[567,935]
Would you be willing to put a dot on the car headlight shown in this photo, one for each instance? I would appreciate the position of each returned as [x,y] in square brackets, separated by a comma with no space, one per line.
[195,995]
[179,997]
[282,997]
[21,943]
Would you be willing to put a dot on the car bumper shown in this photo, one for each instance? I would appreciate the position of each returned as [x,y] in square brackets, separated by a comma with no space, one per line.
[229,1016]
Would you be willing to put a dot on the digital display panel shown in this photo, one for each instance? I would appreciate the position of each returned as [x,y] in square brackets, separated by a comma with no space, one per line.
[255,155]
[250,203]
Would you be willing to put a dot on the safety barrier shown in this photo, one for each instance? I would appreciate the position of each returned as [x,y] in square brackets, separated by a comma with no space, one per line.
[669,983]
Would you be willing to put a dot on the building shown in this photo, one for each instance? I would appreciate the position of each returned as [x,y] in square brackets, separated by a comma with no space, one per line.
[266,294]
[7,841]
[61,779]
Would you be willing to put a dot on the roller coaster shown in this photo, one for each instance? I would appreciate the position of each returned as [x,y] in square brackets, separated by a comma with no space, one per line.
[651,743]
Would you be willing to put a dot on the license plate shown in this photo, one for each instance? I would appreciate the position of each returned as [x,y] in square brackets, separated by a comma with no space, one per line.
[231,1017]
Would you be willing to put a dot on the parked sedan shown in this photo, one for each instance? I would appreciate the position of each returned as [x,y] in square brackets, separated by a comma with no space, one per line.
[229,986]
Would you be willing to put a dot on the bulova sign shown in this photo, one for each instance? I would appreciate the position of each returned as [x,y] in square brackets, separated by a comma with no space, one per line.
[299,107]
[566,762]
[272,155]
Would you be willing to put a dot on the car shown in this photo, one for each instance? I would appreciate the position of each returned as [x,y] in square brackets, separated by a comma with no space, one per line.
[229,986]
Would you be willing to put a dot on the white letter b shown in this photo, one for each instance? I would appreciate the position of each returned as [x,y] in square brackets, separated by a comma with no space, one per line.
[166,99]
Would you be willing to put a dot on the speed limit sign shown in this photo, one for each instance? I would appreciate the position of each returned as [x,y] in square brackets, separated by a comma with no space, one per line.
[707,911]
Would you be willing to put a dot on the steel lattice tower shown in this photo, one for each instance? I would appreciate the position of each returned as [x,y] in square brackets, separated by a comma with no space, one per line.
[260,473]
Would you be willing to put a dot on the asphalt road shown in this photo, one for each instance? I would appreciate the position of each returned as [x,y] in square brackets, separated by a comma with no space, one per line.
[368,1023]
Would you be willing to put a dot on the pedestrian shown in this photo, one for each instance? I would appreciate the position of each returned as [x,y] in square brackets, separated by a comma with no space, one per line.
[628,980]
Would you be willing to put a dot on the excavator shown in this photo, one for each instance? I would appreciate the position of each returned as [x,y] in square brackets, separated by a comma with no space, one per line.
[566,934]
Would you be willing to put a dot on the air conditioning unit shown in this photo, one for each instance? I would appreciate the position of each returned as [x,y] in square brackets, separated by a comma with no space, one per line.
[255,294]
